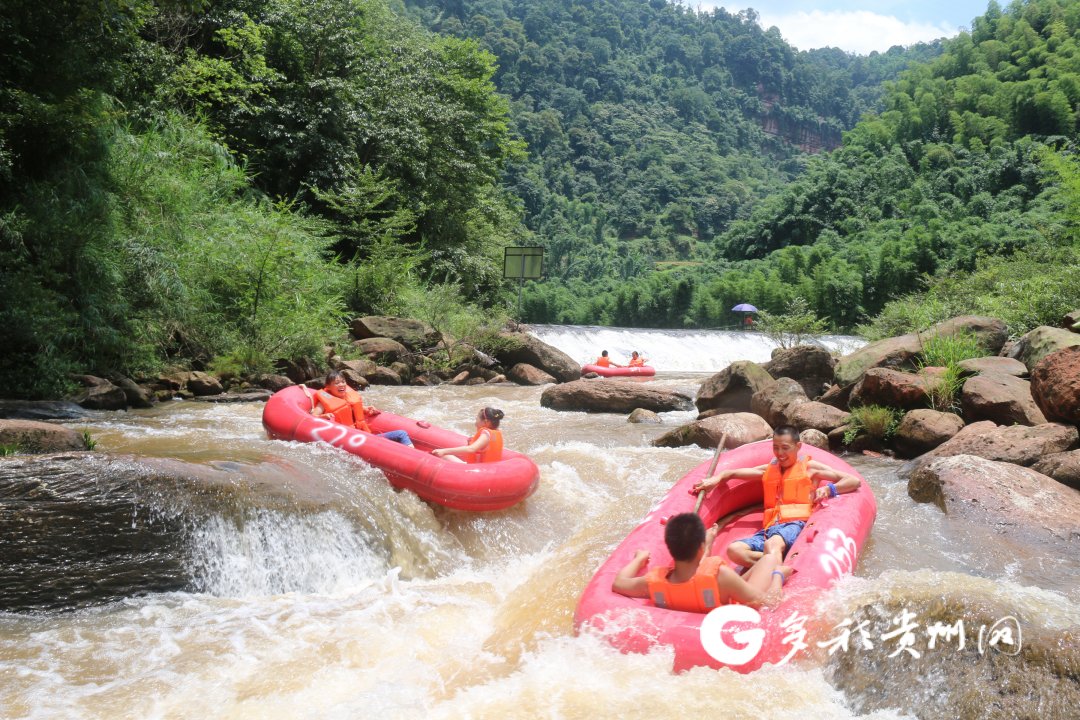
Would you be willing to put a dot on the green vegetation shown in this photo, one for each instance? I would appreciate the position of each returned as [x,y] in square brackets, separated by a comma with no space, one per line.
[8,449]
[947,352]
[88,441]
[792,327]
[877,421]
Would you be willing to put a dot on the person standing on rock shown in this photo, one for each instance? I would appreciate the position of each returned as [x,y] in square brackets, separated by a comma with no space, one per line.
[790,491]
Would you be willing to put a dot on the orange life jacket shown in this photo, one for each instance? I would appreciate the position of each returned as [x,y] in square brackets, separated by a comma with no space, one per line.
[493,451]
[603,361]
[348,410]
[698,594]
[787,495]
[637,362]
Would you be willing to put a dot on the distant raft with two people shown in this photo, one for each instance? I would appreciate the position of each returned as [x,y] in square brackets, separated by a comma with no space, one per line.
[605,368]
[826,550]
[469,485]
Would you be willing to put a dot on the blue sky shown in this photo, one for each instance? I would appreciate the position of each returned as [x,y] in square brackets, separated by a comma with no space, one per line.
[858,27]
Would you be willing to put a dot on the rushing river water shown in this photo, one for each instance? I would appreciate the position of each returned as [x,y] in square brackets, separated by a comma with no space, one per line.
[300,585]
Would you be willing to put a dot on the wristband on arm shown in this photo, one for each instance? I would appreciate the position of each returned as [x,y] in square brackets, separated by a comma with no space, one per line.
[832,489]
[777,572]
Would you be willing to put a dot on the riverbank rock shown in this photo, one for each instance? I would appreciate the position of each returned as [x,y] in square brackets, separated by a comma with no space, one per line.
[643,416]
[31,436]
[1055,385]
[901,351]
[815,438]
[1016,444]
[137,395]
[1015,500]
[99,394]
[923,430]
[1004,399]
[612,397]
[526,374]
[258,395]
[892,388]
[202,384]
[731,389]
[1071,321]
[41,410]
[382,350]
[1040,342]
[531,350]
[1063,467]
[999,365]
[816,416]
[809,365]
[741,428]
[775,401]
[299,371]
[384,376]
[412,334]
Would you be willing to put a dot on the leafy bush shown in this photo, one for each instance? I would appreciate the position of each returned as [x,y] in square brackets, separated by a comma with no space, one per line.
[790,328]
[948,350]
[877,421]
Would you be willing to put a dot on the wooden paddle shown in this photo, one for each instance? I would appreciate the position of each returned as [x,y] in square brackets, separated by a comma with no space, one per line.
[712,469]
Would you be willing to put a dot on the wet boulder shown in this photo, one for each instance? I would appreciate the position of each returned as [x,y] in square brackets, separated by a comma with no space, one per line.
[1055,385]
[612,396]
[524,348]
[32,436]
[740,428]
[731,389]
[923,430]
[526,374]
[1004,399]
[41,410]
[643,416]
[809,365]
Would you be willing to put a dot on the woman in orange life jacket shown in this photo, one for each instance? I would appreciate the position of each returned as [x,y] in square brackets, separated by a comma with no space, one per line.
[789,495]
[344,405]
[485,446]
[605,361]
[636,360]
[699,581]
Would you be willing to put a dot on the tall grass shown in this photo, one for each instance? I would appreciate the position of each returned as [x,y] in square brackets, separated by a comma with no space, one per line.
[947,351]
[877,421]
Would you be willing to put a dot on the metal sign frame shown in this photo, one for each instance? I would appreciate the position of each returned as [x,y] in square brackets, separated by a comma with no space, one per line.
[523,262]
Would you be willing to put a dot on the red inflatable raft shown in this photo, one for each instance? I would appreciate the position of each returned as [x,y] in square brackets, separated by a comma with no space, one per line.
[643,370]
[463,486]
[738,636]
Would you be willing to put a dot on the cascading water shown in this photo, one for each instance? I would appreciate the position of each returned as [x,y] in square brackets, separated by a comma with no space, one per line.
[292,581]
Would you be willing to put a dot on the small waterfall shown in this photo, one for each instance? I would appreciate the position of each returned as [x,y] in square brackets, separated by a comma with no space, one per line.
[673,350]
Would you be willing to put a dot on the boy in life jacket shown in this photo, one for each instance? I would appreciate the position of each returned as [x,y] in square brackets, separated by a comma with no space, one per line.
[605,361]
[342,404]
[485,446]
[636,360]
[791,489]
[698,581]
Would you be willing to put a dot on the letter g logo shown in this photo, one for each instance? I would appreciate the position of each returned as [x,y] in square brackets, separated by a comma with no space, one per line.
[714,642]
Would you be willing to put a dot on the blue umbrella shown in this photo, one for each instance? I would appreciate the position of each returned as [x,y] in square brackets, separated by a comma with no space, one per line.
[744,307]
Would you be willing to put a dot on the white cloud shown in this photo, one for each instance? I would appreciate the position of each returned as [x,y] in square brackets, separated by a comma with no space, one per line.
[857,31]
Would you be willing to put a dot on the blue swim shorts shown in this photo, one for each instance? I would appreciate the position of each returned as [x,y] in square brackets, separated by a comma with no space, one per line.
[789,531]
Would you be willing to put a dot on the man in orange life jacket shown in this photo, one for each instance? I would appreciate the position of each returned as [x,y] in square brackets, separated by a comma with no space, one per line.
[342,404]
[789,495]
[636,360]
[699,581]
[605,361]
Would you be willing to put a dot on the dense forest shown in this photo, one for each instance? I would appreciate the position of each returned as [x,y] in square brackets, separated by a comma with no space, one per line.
[222,183]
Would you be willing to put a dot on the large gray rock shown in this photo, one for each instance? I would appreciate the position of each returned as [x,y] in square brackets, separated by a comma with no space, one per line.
[815,438]
[1063,467]
[816,416]
[1017,444]
[299,370]
[384,376]
[1055,385]
[923,430]
[526,374]
[361,366]
[1004,399]
[41,410]
[810,365]
[202,384]
[382,350]
[31,436]
[892,388]
[640,416]
[612,397]
[254,395]
[731,389]
[534,351]
[988,365]
[775,401]
[100,394]
[740,428]
[1020,503]
[137,396]
[1040,342]
[901,351]
[413,334]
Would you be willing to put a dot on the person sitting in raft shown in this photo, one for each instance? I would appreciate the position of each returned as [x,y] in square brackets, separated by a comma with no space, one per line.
[605,361]
[344,405]
[699,581]
[788,481]
[485,446]
[636,360]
